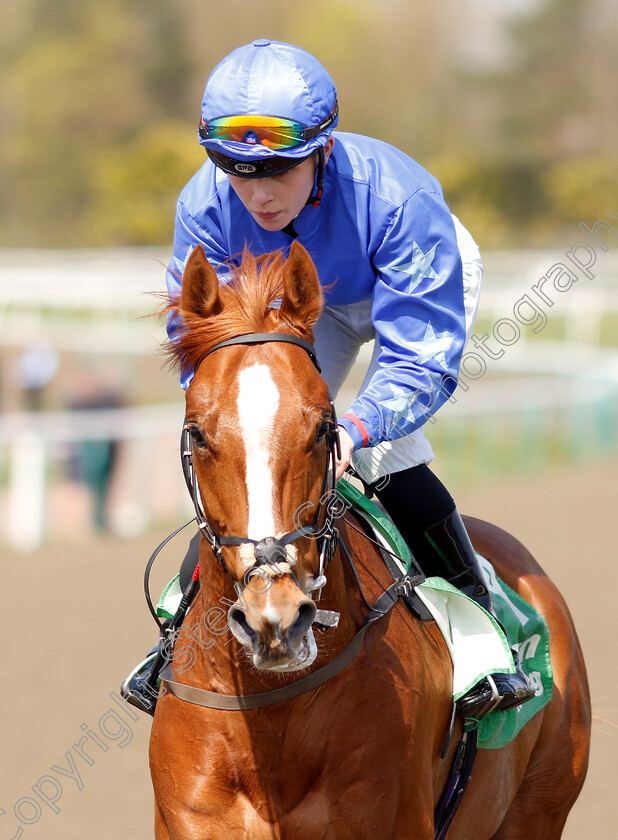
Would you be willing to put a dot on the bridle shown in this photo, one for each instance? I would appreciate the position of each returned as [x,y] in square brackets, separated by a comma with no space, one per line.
[271,551]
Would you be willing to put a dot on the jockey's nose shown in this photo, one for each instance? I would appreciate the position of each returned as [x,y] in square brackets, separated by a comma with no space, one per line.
[262,192]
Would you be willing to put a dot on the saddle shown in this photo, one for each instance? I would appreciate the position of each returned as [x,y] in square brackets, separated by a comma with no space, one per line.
[476,642]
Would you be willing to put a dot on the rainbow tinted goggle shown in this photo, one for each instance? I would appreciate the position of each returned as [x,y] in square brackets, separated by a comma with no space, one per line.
[275,133]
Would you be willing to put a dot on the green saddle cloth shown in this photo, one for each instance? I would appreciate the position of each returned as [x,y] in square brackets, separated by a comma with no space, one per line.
[475,640]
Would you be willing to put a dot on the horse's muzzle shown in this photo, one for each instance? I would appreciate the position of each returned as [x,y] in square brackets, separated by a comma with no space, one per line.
[275,629]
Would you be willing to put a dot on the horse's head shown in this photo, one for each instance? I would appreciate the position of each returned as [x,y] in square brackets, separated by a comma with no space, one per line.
[259,417]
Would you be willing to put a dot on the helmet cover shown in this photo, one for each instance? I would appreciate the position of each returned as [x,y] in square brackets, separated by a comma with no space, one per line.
[270,78]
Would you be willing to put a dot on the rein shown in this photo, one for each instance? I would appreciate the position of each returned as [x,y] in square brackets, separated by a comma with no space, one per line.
[241,702]
[271,550]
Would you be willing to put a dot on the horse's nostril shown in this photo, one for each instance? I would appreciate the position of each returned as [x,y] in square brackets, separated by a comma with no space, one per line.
[304,620]
[240,627]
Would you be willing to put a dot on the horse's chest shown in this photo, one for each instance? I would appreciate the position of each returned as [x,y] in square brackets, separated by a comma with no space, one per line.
[269,783]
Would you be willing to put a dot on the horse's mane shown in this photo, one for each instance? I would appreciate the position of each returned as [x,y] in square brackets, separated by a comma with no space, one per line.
[246,299]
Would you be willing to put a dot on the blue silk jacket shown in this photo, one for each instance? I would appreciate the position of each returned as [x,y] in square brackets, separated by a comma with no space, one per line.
[382,234]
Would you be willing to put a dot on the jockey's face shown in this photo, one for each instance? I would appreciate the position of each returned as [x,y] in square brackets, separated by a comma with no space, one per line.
[275,201]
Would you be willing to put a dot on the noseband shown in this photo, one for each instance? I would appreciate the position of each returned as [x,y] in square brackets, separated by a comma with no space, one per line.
[270,551]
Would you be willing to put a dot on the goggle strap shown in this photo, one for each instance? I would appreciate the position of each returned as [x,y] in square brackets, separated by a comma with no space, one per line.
[315,199]
[310,133]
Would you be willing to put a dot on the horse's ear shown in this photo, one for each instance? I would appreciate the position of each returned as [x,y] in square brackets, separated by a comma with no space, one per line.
[200,286]
[302,296]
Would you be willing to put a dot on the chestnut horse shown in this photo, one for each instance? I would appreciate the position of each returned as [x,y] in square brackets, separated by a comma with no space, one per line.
[359,756]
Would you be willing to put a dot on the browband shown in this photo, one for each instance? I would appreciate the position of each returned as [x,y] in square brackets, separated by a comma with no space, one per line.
[262,338]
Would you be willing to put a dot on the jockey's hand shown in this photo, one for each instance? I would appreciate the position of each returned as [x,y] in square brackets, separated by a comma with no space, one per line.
[347,448]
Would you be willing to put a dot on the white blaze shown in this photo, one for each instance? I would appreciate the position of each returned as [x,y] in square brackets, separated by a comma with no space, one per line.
[258,400]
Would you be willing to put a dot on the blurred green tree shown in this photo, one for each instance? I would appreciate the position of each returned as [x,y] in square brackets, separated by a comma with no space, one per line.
[136,185]
[99,104]
[545,154]
[80,79]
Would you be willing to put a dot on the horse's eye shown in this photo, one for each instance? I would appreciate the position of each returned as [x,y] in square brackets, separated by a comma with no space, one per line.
[322,430]
[197,437]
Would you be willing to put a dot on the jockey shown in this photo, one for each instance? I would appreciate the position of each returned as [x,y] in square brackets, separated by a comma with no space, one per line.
[396,267]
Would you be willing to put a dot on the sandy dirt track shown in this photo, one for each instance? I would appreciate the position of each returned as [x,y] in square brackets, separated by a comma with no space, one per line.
[75,622]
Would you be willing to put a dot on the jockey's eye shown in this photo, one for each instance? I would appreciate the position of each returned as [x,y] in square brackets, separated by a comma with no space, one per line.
[197,437]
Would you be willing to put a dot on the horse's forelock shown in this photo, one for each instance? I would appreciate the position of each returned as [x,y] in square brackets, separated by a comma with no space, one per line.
[248,299]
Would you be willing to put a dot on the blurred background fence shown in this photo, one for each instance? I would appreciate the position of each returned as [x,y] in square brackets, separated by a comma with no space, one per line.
[91,418]
[512,105]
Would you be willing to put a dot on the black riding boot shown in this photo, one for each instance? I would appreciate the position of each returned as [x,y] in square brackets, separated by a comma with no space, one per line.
[449,542]
[425,513]
[136,688]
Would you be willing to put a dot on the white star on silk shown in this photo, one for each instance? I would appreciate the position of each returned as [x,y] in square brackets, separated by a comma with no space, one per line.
[419,267]
[182,264]
[399,404]
[434,346]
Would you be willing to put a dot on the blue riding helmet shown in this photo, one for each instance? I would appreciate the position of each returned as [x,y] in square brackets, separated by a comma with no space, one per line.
[267,79]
